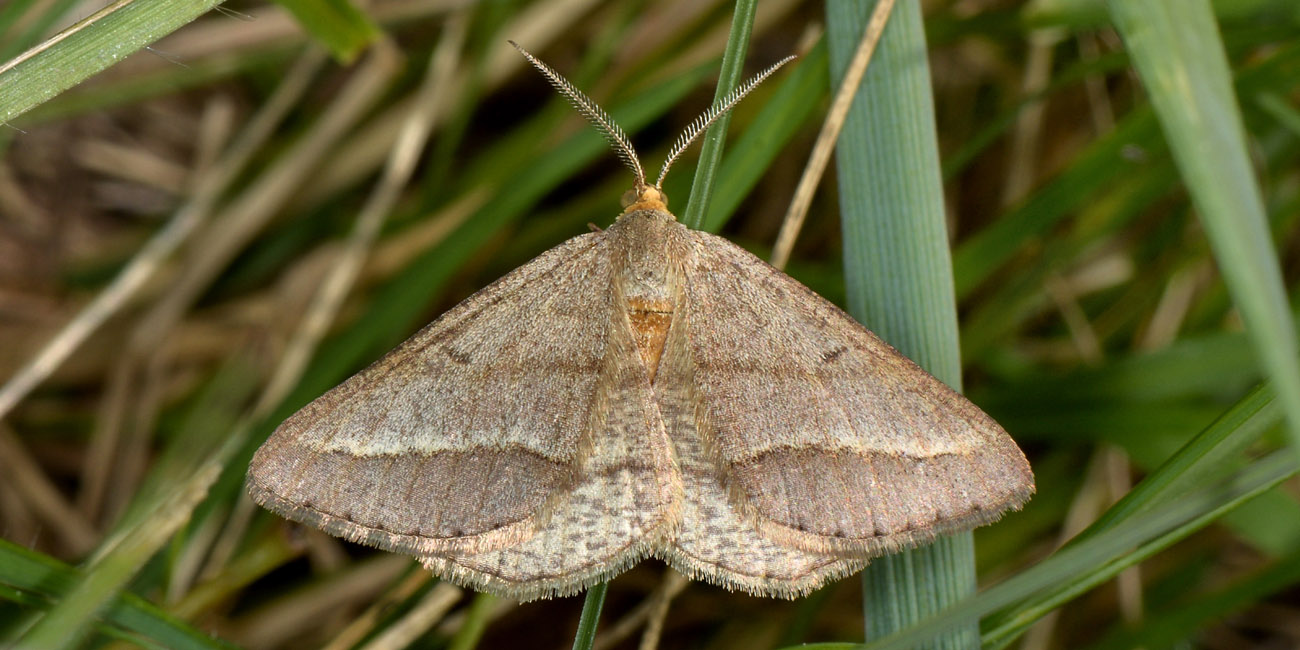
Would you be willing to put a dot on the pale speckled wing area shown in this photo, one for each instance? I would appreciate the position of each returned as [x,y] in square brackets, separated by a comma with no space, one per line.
[831,441]
[716,542]
[458,439]
[624,506]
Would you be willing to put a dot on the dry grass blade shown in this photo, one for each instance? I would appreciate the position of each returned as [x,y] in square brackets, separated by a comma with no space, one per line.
[42,497]
[821,154]
[295,615]
[187,221]
[654,606]
[419,620]
[249,213]
[363,625]
[401,164]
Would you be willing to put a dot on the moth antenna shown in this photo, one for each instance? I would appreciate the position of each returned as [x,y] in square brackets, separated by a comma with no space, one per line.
[594,114]
[710,116]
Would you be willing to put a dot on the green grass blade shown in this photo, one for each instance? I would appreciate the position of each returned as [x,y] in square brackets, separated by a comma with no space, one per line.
[733,62]
[1176,49]
[1239,427]
[338,25]
[780,119]
[1078,568]
[898,273]
[1184,619]
[476,621]
[88,47]
[595,600]
[1182,520]
[41,579]
[1194,464]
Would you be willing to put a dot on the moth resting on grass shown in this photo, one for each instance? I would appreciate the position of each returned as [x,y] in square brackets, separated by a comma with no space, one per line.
[645,390]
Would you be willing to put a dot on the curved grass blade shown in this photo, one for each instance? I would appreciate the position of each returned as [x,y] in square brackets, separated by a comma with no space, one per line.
[1176,49]
[1074,570]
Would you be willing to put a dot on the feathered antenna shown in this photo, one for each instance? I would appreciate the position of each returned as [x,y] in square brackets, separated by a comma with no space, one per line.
[594,114]
[710,116]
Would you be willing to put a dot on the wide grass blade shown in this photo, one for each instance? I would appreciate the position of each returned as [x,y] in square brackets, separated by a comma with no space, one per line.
[91,45]
[898,273]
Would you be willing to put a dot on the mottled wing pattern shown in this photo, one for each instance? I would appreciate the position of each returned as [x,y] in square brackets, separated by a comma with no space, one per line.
[716,542]
[460,438]
[623,507]
[830,440]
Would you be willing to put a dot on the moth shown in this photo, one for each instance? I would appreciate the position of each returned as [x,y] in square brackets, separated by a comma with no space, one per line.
[645,390]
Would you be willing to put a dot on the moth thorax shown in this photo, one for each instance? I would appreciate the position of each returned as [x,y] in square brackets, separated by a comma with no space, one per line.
[649,278]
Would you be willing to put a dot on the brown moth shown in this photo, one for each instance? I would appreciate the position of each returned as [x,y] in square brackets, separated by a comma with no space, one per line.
[646,390]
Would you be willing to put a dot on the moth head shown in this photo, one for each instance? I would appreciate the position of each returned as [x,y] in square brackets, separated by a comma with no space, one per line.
[642,192]
[644,198]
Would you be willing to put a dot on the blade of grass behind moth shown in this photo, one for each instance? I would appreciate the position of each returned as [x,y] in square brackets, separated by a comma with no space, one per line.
[765,137]
[587,622]
[733,63]
[899,275]
[733,59]
[476,620]
[87,47]
[1175,46]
